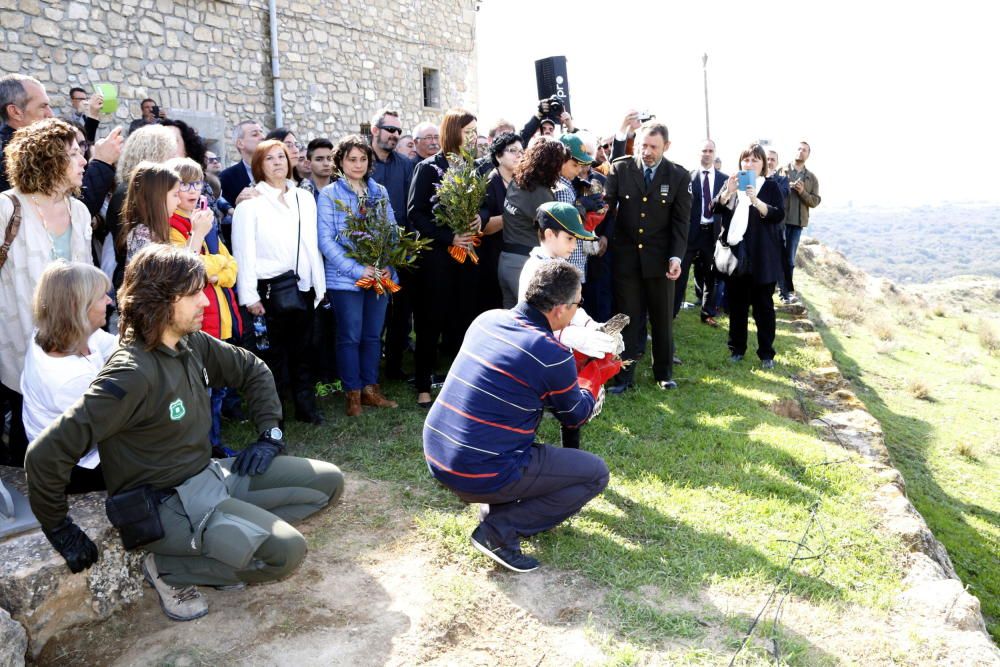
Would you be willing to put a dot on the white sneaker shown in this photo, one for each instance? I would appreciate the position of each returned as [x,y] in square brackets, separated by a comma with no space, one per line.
[179,604]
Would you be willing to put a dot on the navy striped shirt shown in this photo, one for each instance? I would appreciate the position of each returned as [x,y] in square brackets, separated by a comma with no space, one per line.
[479,431]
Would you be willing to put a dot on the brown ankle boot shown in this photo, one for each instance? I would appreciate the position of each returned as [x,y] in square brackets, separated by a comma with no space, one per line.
[353,403]
[372,395]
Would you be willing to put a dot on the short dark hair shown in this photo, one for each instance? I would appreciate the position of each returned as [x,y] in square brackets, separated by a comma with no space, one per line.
[319,142]
[757,151]
[554,283]
[346,145]
[500,144]
[257,161]
[654,127]
[278,133]
[155,278]
[76,89]
[148,99]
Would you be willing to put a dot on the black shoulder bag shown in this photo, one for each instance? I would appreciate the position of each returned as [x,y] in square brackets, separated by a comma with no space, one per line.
[281,293]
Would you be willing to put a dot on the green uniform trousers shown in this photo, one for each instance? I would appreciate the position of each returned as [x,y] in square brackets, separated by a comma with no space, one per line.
[254,517]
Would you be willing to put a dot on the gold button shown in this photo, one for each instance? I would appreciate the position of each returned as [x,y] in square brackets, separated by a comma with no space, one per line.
[642,215]
[626,196]
[640,246]
[643,199]
[640,231]
[663,201]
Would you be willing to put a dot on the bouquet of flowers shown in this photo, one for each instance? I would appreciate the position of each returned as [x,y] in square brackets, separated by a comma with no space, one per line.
[456,203]
[372,239]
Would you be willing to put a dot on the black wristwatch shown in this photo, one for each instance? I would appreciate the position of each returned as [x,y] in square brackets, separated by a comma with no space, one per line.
[274,436]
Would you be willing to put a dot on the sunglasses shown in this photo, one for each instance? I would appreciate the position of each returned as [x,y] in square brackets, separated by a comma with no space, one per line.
[390,129]
[605,146]
[193,186]
[214,159]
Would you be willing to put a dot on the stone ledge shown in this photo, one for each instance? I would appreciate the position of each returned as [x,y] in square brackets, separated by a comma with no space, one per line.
[40,592]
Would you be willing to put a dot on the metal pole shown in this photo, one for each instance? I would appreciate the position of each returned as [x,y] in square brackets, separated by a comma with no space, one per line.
[704,69]
[279,120]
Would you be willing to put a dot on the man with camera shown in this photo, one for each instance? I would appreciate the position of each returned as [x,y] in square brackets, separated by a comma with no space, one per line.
[204,522]
[803,194]
[650,199]
[151,112]
[551,112]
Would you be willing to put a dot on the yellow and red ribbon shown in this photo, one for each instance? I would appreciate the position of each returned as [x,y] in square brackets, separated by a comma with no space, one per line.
[382,285]
[458,253]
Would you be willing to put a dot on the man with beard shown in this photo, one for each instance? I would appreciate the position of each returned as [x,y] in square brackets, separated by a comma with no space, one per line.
[203,521]
[394,172]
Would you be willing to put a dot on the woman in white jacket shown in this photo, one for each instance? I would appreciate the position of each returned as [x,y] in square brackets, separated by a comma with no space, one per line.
[275,243]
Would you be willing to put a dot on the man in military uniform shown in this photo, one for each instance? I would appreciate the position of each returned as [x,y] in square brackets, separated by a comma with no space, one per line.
[650,198]
[224,522]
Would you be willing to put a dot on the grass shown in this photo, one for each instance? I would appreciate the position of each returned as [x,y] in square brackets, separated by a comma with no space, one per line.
[946,447]
[709,489]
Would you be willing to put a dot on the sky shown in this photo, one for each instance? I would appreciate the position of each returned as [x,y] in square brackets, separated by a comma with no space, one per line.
[898,100]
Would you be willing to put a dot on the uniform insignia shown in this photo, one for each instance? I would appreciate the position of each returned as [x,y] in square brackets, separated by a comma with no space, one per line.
[204,371]
[177,410]
[665,190]
[689,188]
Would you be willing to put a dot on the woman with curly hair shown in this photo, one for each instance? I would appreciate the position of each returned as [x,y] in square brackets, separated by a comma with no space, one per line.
[505,154]
[445,291]
[360,312]
[45,166]
[534,178]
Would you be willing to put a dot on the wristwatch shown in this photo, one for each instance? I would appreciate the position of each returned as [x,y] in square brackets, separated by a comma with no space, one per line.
[273,435]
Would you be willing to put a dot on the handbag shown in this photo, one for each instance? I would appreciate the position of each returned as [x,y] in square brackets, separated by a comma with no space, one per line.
[282,292]
[13,225]
[136,515]
[732,260]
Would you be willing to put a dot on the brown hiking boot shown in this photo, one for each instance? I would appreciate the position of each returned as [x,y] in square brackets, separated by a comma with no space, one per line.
[353,403]
[372,395]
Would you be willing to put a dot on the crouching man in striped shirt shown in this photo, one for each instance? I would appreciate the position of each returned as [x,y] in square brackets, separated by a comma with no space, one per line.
[479,437]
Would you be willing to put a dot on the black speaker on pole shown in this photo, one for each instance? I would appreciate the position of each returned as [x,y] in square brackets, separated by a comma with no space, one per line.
[553,79]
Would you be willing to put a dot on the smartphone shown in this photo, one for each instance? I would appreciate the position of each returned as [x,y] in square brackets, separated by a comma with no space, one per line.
[202,203]
[156,111]
[747,179]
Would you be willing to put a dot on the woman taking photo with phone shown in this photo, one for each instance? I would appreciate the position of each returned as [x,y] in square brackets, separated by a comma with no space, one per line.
[45,167]
[752,217]
[281,270]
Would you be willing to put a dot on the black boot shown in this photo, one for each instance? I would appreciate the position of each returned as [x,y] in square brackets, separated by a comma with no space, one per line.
[305,407]
[570,438]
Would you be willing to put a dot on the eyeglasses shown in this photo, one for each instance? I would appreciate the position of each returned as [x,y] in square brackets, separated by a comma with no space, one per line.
[390,129]
[576,303]
[514,151]
[214,159]
[193,186]
[79,99]
[430,137]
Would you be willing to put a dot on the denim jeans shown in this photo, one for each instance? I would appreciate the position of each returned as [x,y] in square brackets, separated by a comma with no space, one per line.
[792,235]
[360,316]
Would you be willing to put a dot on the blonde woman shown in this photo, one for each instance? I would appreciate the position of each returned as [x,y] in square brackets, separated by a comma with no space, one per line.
[45,166]
[67,351]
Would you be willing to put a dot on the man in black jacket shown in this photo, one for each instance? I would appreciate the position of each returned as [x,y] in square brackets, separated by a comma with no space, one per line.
[23,101]
[650,198]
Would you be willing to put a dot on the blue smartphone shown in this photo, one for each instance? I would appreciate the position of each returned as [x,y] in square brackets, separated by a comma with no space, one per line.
[747,179]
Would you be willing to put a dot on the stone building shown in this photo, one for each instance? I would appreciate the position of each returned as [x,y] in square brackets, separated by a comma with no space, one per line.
[209,62]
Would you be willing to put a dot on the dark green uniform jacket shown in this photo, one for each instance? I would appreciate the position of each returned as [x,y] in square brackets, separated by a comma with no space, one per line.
[150,413]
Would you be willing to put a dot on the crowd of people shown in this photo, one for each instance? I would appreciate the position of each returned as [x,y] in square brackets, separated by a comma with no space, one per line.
[266,260]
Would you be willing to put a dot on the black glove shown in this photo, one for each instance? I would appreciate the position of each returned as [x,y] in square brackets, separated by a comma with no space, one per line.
[256,458]
[73,544]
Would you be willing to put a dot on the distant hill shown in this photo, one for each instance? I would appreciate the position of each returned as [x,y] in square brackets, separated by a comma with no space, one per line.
[914,245]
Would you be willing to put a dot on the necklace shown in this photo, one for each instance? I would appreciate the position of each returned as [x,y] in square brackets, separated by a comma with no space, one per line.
[45,224]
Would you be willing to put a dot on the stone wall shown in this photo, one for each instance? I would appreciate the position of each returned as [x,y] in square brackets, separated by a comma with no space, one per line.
[209,61]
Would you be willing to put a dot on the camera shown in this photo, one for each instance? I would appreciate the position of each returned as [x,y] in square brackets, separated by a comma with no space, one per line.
[156,111]
[645,116]
[556,108]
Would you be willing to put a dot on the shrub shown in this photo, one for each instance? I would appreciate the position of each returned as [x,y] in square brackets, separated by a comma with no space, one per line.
[883,330]
[963,325]
[918,389]
[977,377]
[966,449]
[848,307]
[939,310]
[988,337]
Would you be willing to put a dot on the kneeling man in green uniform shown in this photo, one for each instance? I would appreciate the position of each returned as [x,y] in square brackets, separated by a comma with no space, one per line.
[221,523]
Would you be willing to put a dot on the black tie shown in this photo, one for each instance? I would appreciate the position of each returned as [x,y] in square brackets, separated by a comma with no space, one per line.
[649,176]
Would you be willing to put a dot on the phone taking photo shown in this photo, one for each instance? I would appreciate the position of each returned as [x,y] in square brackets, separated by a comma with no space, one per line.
[202,203]
[746,179]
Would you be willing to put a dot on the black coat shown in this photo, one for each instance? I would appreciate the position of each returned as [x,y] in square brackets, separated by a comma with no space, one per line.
[650,224]
[233,179]
[420,208]
[763,235]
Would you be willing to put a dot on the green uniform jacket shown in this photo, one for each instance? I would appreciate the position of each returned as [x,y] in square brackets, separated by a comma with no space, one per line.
[797,207]
[150,412]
